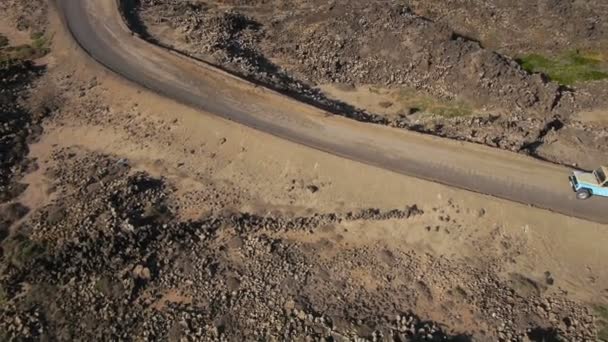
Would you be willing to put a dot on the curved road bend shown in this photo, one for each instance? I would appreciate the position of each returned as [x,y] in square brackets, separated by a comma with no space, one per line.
[97,26]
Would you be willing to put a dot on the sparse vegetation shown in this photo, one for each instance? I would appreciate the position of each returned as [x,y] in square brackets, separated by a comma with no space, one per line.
[36,35]
[427,104]
[602,313]
[569,68]
[39,41]
[39,47]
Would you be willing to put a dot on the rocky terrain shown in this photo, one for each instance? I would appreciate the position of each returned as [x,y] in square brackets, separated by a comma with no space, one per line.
[127,217]
[107,259]
[513,27]
[298,46]
[29,15]
[18,124]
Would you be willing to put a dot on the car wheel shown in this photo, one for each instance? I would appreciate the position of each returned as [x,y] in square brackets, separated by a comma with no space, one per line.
[583,194]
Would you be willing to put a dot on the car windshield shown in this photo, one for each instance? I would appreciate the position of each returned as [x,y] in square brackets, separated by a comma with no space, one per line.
[601,177]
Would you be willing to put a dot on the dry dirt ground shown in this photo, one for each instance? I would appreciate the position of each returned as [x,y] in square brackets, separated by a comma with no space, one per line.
[441,67]
[126,216]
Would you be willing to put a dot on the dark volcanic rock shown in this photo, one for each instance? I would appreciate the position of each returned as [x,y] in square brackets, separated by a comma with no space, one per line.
[17,124]
[111,261]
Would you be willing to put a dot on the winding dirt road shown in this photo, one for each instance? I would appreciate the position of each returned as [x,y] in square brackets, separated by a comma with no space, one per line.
[98,27]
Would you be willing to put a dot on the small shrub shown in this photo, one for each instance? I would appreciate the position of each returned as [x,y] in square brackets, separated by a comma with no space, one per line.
[38,48]
[40,42]
[22,52]
[36,35]
[534,62]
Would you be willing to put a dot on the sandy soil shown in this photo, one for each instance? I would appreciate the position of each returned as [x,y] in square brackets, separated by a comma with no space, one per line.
[15,37]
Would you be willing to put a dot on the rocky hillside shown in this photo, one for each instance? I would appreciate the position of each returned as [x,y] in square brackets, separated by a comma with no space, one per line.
[298,47]
[357,43]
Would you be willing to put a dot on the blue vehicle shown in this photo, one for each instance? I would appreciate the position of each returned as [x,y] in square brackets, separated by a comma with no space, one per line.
[587,184]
